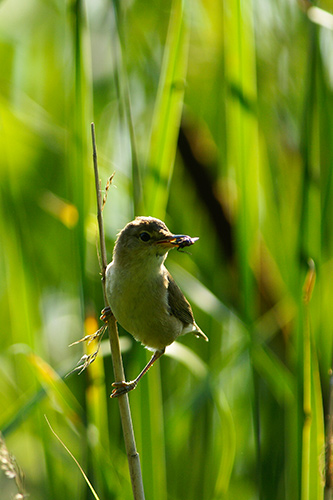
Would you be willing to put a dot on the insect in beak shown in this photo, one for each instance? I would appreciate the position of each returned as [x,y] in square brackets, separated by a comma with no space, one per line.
[178,240]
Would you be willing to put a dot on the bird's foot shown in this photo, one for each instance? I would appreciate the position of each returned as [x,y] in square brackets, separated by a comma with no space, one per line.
[106,314]
[121,388]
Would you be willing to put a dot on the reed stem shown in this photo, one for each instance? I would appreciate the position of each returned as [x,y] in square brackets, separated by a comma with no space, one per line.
[118,370]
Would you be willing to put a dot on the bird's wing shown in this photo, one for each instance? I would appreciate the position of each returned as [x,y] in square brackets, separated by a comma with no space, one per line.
[181,309]
[178,305]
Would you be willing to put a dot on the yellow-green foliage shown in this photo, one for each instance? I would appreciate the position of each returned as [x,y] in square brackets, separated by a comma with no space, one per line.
[250,83]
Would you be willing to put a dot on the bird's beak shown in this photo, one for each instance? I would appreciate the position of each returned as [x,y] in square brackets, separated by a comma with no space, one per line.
[177,240]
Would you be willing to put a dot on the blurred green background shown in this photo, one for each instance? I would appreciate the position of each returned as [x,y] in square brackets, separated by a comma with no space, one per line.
[216,117]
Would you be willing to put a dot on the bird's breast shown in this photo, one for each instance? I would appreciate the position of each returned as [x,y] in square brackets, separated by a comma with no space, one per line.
[139,302]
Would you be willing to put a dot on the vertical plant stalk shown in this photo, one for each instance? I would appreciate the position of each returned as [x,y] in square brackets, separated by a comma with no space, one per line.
[329,445]
[307,399]
[125,108]
[118,370]
[313,417]
[167,112]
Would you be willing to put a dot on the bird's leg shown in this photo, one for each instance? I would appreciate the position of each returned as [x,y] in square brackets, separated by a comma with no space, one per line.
[124,387]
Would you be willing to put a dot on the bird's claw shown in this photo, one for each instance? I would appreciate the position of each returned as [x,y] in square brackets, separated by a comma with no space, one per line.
[121,388]
[106,314]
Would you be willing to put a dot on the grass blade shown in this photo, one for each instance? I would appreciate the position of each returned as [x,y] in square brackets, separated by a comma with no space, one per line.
[167,113]
[72,456]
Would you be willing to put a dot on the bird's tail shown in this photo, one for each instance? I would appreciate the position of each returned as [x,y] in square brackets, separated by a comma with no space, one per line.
[199,333]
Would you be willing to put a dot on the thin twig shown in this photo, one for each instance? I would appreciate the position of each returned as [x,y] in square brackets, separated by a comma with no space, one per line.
[72,456]
[99,207]
[118,370]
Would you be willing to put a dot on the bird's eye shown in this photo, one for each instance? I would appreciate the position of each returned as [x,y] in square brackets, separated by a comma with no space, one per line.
[144,236]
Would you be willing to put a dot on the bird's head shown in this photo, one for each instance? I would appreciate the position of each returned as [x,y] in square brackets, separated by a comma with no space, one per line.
[146,238]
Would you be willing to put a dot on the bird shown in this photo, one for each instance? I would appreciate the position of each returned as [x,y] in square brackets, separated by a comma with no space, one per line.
[141,293]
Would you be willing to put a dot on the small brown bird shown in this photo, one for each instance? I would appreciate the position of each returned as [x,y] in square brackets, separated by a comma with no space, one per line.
[141,292]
